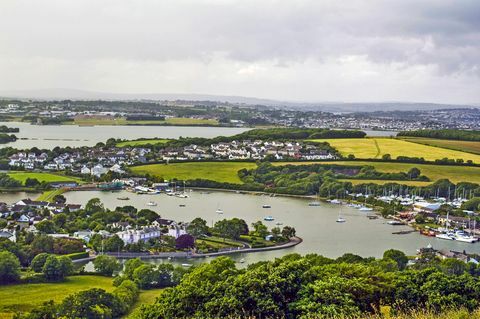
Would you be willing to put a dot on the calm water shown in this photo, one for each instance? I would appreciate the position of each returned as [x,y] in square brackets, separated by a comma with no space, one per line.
[50,136]
[316,225]
[10,198]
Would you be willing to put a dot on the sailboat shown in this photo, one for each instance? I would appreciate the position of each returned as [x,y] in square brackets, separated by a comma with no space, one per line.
[340,219]
[219,210]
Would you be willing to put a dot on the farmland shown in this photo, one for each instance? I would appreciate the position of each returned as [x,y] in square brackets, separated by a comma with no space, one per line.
[215,171]
[24,297]
[42,177]
[465,146]
[366,148]
[142,142]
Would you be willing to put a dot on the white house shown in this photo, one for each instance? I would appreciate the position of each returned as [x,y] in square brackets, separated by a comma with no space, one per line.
[132,236]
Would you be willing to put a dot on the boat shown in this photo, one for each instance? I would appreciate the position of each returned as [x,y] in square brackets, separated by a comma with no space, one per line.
[269,218]
[335,201]
[123,198]
[365,209]
[395,223]
[219,211]
[446,236]
[340,219]
[279,224]
[372,216]
[266,206]
[183,195]
[182,205]
[186,265]
[462,236]
[151,203]
[242,261]
[315,203]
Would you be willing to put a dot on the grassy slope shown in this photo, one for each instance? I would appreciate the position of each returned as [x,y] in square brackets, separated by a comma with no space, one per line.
[215,171]
[142,142]
[146,297]
[42,177]
[465,146]
[27,296]
[366,148]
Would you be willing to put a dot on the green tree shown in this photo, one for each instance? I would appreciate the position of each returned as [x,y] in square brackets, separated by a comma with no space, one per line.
[38,261]
[145,275]
[9,267]
[260,229]
[46,227]
[130,266]
[113,243]
[398,256]
[57,268]
[106,265]
[197,227]
[94,206]
[91,304]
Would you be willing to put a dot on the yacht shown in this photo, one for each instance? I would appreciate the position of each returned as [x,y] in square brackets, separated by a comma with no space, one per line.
[335,201]
[462,236]
[151,203]
[219,211]
[395,223]
[269,218]
[340,219]
[315,203]
[365,209]
[447,236]
[182,195]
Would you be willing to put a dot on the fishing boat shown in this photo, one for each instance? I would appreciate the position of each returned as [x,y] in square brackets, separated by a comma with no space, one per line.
[123,198]
[151,203]
[335,201]
[372,216]
[269,218]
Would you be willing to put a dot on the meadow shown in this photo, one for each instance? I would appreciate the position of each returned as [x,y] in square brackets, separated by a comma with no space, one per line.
[374,148]
[42,177]
[24,297]
[142,142]
[215,171]
[464,146]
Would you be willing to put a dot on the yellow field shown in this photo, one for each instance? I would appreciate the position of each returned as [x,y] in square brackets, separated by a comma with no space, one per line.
[365,148]
[466,146]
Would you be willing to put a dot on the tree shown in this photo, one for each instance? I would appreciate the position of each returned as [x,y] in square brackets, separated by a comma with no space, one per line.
[113,243]
[59,199]
[185,241]
[94,303]
[42,244]
[452,266]
[31,182]
[106,265]
[57,268]
[197,227]
[59,220]
[147,214]
[414,173]
[38,261]
[288,232]
[145,275]
[260,229]
[94,206]
[130,266]
[398,256]
[232,228]
[46,227]
[386,157]
[9,267]
[64,246]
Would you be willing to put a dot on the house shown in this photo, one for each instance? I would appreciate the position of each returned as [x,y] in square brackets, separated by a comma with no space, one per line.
[133,236]
[7,234]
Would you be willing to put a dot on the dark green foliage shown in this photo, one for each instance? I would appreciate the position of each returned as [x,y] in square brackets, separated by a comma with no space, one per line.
[462,135]
[106,265]
[57,268]
[38,262]
[9,267]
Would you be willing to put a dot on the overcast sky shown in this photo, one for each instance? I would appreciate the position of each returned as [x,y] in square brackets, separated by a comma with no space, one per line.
[391,50]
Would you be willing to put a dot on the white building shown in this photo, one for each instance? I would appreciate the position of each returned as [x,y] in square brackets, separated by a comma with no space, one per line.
[133,236]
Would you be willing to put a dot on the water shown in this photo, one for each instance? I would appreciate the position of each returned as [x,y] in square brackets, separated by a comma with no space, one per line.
[372,133]
[50,136]
[316,225]
[13,197]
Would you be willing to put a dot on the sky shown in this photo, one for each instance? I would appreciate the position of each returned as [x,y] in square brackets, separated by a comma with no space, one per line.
[308,51]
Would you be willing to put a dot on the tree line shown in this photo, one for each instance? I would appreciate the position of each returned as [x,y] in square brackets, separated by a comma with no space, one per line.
[446,134]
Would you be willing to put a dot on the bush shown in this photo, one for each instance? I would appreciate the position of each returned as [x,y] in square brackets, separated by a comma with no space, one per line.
[38,262]
[106,265]
[9,267]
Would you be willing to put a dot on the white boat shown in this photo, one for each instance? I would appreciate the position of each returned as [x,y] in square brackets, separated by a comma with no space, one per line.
[335,201]
[462,236]
[269,218]
[340,219]
[365,209]
[395,223]
[219,211]
[183,195]
[314,203]
[446,236]
[152,204]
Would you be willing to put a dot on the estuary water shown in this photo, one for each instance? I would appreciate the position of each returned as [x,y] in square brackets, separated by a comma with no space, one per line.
[315,224]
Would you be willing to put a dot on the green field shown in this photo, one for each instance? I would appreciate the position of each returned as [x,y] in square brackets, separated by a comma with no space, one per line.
[124,121]
[25,297]
[145,297]
[215,171]
[365,148]
[465,146]
[49,195]
[142,142]
[42,177]
[434,172]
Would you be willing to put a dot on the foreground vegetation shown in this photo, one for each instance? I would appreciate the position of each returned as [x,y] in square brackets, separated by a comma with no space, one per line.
[375,148]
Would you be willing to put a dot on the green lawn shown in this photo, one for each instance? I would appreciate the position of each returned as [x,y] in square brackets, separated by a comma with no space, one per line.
[142,142]
[365,148]
[24,297]
[215,171]
[42,177]
[49,195]
[465,146]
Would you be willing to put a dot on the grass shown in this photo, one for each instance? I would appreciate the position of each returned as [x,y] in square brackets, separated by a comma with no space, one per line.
[25,297]
[215,171]
[49,195]
[434,172]
[145,297]
[366,148]
[382,182]
[142,142]
[42,177]
[464,146]
[124,121]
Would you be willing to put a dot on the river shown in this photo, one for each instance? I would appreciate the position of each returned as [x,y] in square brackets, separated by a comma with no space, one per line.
[316,225]
[50,136]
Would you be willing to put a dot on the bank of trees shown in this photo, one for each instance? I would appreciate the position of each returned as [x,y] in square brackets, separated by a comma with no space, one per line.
[317,287]
[462,135]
